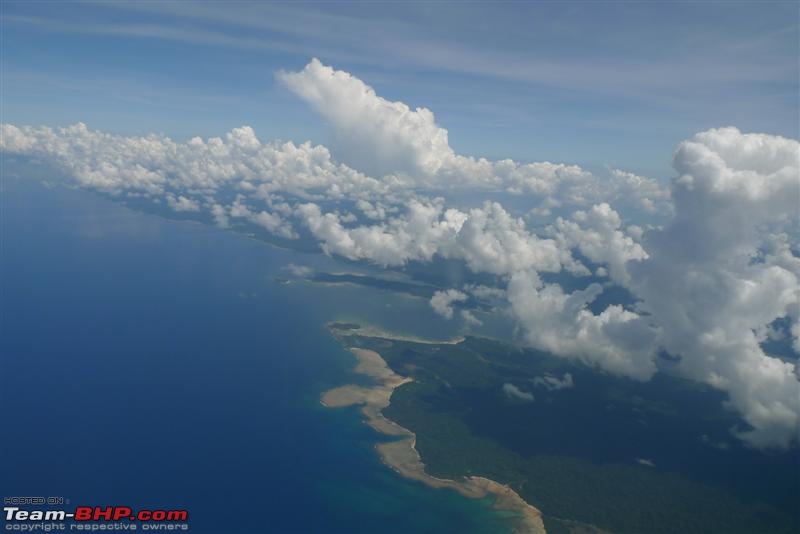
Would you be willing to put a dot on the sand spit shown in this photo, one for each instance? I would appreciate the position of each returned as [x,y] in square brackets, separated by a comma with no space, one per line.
[375,332]
[402,456]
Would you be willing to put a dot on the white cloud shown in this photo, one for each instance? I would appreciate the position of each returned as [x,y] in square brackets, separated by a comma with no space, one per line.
[470,319]
[554,383]
[516,393]
[301,271]
[372,211]
[490,294]
[182,204]
[491,240]
[598,234]
[270,221]
[155,165]
[386,138]
[647,194]
[708,287]
[487,238]
[220,216]
[617,340]
[415,236]
[442,301]
[381,136]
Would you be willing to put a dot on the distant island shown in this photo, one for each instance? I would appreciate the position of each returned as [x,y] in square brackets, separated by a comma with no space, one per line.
[593,452]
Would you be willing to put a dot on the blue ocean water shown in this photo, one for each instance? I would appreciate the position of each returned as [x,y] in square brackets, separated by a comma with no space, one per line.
[157,364]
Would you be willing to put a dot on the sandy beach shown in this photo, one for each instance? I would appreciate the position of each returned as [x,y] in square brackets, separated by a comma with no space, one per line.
[375,332]
[401,454]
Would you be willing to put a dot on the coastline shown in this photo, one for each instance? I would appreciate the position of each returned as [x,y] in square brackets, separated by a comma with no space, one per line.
[375,332]
[401,454]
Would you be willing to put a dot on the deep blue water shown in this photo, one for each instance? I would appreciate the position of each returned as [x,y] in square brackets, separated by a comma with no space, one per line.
[156,364]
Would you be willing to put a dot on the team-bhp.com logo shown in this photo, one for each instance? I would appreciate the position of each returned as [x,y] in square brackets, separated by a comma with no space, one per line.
[92,516]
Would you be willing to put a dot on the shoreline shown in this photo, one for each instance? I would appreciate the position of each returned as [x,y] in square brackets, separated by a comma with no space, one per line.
[375,332]
[401,454]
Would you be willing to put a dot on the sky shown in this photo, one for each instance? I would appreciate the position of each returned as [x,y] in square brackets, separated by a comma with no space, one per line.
[558,152]
[597,84]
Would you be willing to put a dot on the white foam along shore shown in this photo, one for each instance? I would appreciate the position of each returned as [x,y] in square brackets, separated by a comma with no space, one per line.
[401,454]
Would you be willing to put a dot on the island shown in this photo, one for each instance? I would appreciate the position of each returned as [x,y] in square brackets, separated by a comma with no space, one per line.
[560,445]
[401,454]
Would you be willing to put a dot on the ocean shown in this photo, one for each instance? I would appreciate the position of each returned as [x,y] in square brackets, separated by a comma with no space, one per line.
[158,364]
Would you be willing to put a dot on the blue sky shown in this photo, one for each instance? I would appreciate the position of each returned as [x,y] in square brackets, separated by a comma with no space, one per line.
[597,84]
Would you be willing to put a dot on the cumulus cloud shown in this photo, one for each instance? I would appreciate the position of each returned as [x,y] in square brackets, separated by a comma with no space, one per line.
[649,195]
[710,277]
[553,383]
[470,319]
[442,301]
[300,271]
[617,340]
[272,222]
[381,136]
[599,236]
[491,294]
[156,165]
[181,203]
[516,393]
[487,238]
[386,138]
[708,284]
[220,215]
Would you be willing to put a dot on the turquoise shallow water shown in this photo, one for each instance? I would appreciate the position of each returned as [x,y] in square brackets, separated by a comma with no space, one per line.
[156,363]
